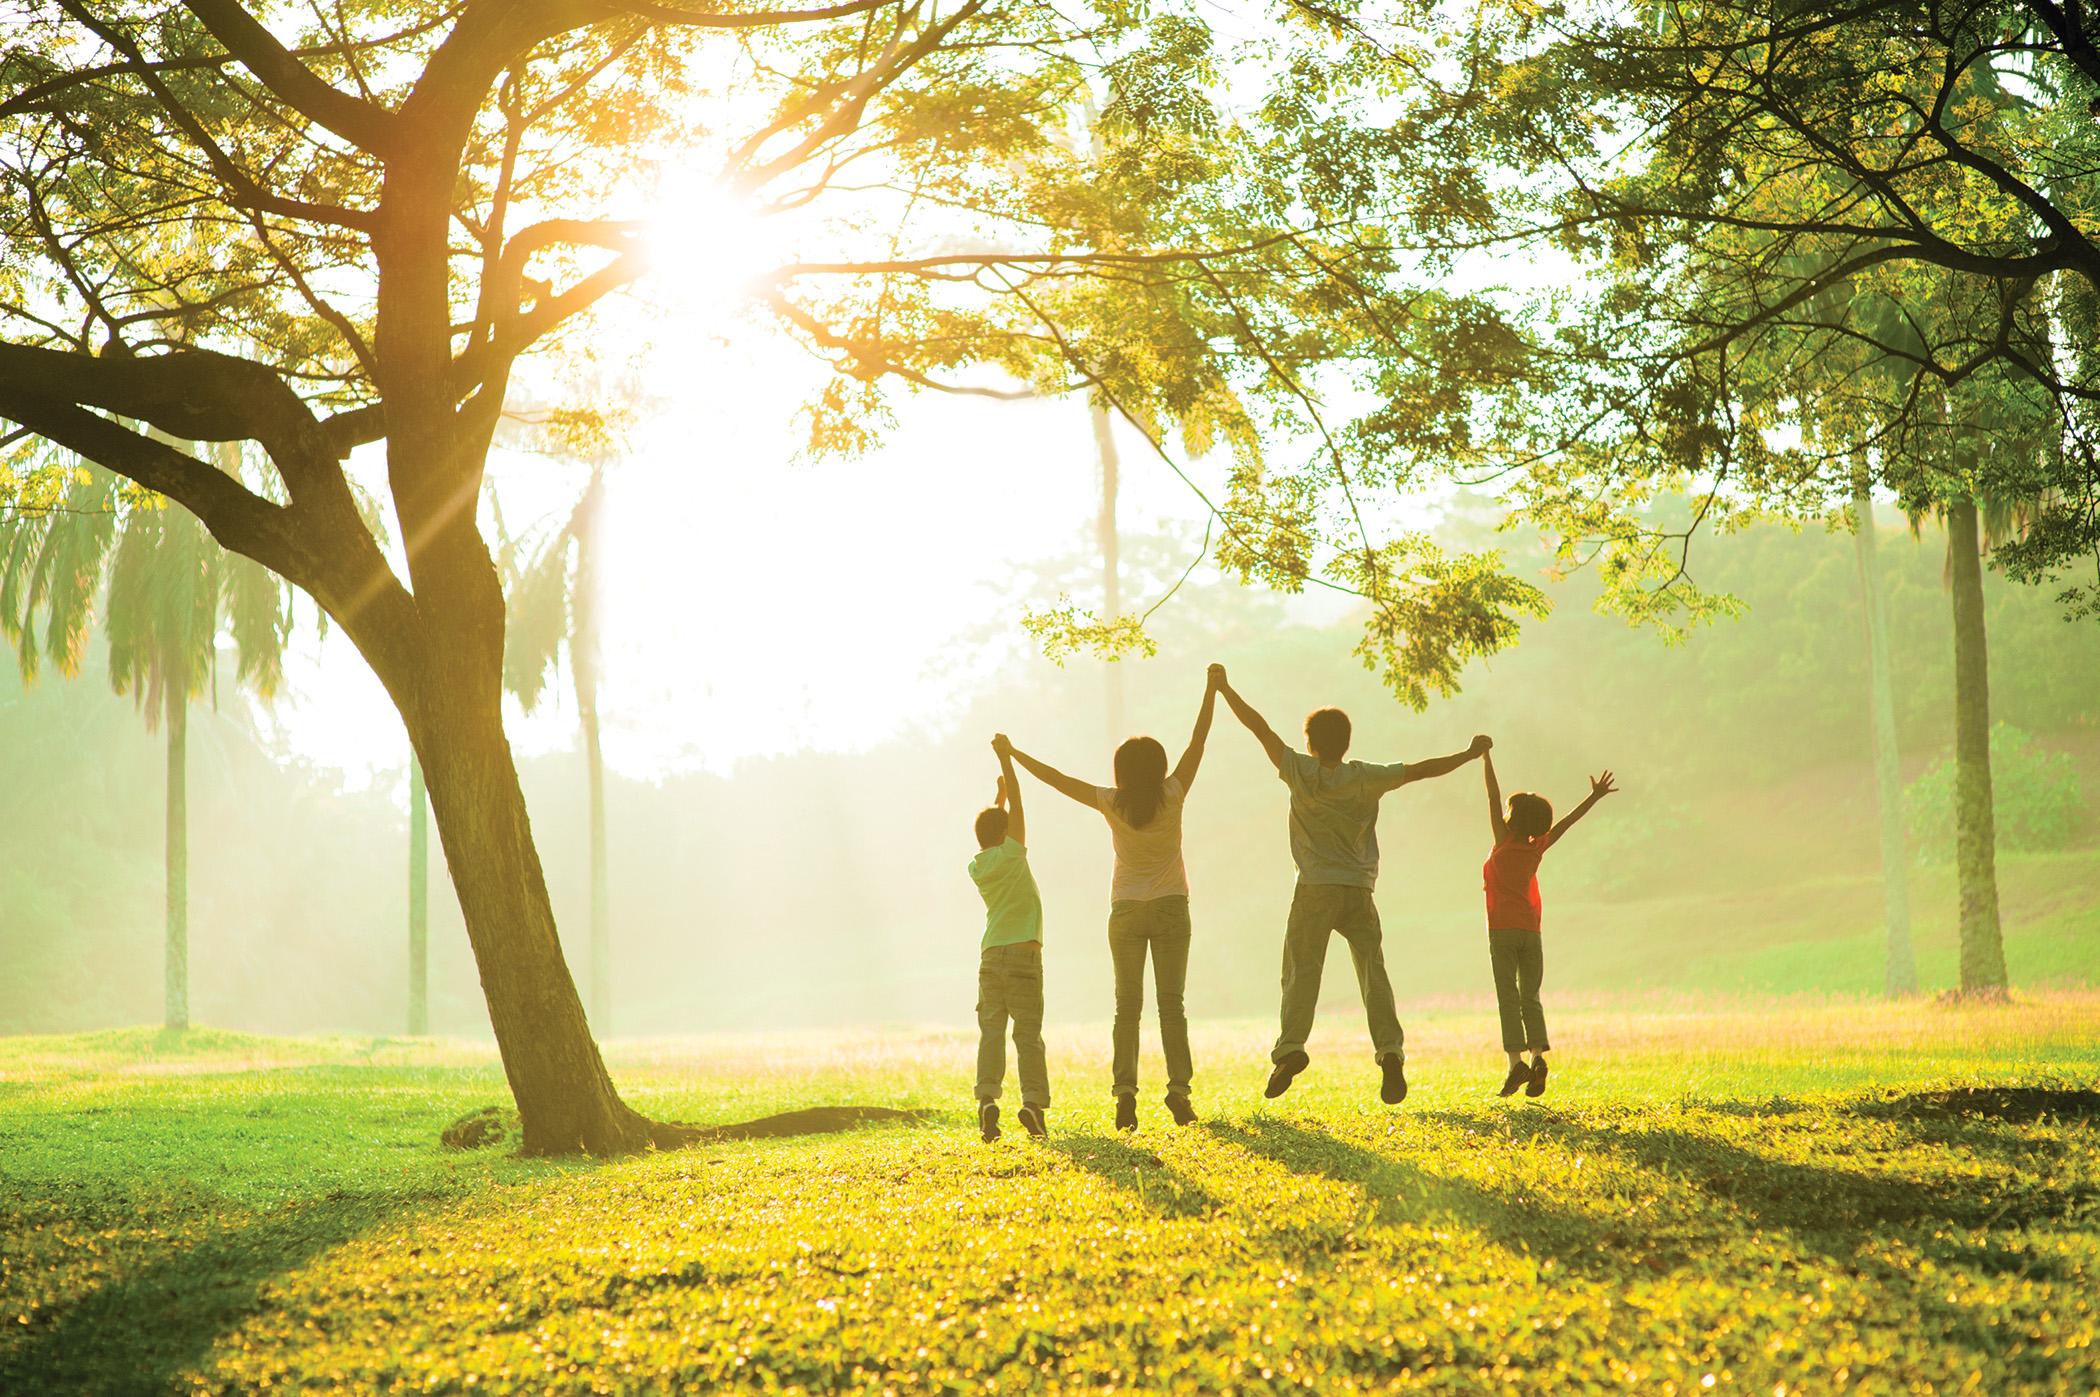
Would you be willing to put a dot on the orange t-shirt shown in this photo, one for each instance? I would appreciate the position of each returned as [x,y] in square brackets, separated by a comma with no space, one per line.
[1511,879]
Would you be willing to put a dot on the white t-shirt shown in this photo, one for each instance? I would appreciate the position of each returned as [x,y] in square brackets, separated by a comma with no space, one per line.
[1148,860]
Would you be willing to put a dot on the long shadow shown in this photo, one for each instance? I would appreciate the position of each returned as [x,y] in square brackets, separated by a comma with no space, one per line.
[1157,1185]
[199,1267]
[1397,1191]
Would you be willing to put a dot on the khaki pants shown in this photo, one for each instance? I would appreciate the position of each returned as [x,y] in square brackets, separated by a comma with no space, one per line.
[1317,910]
[1159,925]
[1010,986]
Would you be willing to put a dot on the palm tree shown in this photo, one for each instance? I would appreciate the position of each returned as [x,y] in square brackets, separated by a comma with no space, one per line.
[552,604]
[170,590]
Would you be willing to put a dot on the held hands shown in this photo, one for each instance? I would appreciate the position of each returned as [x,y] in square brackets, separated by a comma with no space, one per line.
[1601,786]
[1214,678]
[1002,745]
[1481,745]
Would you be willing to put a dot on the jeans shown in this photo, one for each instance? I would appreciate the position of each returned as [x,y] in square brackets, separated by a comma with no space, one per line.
[1318,909]
[1519,961]
[1162,924]
[1010,985]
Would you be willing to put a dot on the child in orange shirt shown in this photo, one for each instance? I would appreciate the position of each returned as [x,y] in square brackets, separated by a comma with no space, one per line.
[1510,878]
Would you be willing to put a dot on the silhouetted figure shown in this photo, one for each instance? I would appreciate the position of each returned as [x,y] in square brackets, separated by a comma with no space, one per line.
[1148,901]
[1517,955]
[1010,965]
[1334,842]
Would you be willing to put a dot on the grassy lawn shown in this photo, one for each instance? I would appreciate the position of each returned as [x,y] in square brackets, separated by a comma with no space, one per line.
[1777,1197]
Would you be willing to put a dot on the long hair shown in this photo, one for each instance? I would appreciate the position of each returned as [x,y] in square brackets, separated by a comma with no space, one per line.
[1141,774]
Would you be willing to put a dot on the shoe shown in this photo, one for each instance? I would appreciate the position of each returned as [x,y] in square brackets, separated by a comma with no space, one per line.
[1032,1121]
[1184,1114]
[1538,1078]
[1126,1113]
[1393,1090]
[988,1121]
[1519,1076]
[1280,1075]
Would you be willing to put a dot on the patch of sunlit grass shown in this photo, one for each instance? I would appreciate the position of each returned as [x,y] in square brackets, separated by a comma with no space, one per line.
[1715,1196]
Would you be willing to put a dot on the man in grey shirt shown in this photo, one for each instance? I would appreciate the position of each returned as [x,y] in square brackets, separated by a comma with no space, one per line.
[1334,841]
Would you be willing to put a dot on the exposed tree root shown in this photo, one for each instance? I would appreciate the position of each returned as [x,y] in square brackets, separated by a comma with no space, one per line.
[492,1125]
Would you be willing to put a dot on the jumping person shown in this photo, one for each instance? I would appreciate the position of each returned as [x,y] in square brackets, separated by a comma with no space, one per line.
[1334,842]
[1010,963]
[1148,899]
[1515,952]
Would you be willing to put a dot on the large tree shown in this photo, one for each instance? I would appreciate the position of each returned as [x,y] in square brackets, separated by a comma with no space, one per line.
[317,229]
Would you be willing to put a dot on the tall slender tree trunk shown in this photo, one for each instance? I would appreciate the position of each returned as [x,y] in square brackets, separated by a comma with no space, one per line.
[1111,559]
[1901,975]
[1975,831]
[583,662]
[178,951]
[418,901]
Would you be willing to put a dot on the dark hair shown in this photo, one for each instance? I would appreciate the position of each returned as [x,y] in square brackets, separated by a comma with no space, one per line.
[1530,815]
[1327,732]
[991,827]
[1141,774]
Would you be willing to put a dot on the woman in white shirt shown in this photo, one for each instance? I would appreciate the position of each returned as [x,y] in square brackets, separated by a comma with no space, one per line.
[1148,898]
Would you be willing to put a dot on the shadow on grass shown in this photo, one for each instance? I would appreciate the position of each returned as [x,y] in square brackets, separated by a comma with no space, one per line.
[1397,1191]
[1157,1185]
[147,1282]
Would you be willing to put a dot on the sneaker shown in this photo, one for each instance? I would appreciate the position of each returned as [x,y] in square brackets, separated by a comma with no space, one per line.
[988,1121]
[1032,1121]
[1126,1113]
[1519,1076]
[1393,1090]
[1538,1078]
[1280,1075]
[1184,1114]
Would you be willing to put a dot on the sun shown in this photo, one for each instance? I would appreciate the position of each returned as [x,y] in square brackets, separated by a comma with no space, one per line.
[710,245]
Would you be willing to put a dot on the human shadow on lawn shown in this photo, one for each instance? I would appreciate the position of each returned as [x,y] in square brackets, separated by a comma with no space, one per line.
[1399,1191]
[1157,1185]
[185,1266]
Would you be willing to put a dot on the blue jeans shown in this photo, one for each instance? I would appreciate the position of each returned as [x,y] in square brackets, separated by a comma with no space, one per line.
[1010,986]
[1161,925]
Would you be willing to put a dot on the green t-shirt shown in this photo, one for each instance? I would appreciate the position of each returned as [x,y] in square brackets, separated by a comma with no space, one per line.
[1334,817]
[1013,909]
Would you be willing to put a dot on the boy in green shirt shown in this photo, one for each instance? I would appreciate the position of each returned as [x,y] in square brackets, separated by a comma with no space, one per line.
[1010,967]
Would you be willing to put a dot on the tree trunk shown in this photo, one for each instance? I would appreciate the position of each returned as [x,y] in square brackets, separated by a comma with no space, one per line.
[583,663]
[1901,976]
[178,950]
[1975,833]
[565,1098]
[1111,560]
[418,901]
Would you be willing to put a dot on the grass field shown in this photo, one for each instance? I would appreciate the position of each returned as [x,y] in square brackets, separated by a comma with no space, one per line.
[1779,1197]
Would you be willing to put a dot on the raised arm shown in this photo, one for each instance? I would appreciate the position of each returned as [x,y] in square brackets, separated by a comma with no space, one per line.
[1010,790]
[1185,769]
[1049,775]
[1496,823]
[1600,787]
[1444,766]
[1252,721]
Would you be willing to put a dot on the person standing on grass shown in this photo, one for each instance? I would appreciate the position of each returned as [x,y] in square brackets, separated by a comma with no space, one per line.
[1334,842]
[1515,952]
[1148,899]
[1010,964]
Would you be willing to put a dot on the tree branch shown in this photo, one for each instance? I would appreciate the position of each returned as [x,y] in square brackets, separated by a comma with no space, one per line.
[361,123]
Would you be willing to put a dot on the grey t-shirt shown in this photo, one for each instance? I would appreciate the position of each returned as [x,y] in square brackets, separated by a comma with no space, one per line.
[1334,817]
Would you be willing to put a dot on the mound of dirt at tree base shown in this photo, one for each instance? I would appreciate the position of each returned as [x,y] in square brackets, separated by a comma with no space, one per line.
[1992,1103]
[491,1125]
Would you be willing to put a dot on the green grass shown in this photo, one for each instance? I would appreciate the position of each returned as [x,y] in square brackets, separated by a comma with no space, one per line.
[1716,1196]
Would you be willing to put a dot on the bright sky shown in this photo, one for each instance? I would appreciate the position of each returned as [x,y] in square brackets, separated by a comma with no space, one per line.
[757,605]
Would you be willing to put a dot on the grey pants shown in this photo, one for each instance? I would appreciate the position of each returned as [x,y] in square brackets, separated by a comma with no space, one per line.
[1160,924]
[1519,961]
[1010,986]
[1318,909]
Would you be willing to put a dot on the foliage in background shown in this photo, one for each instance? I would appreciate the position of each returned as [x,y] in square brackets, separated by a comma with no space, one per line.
[2035,793]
